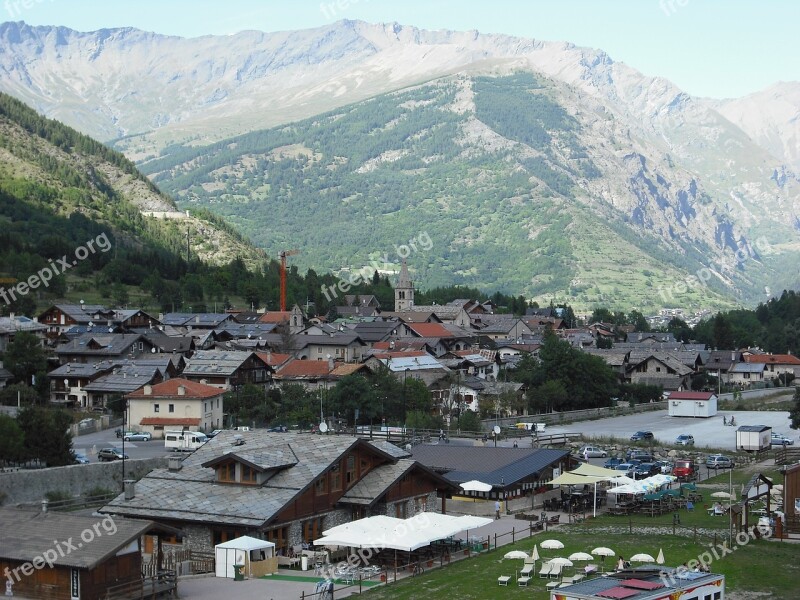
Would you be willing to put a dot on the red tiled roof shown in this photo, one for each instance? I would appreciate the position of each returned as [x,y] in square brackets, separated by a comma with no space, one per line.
[773,359]
[304,368]
[273,359]
[170,421]
[169,389]
[691,395]
[345,369]
[432,330]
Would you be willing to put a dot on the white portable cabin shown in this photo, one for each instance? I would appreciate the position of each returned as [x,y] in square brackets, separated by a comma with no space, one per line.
[184,441]
[248,551]
[754,438]
[692,404]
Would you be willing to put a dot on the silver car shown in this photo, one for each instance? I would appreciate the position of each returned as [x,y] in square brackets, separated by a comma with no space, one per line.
[592,452]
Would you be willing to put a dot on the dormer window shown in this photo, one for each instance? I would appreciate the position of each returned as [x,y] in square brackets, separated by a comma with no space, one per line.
[227,472]
[249,475]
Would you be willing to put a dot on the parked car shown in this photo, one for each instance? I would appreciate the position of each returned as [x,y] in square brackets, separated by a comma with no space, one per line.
[213,433]
[625,469]
[81,459]
[137,436]
[645,470]
[641,455]
[685,440]
[278,429]
[108,454]
[592,452]
[665,466]
[613,462]
[778,439]
[641,436]
[719,461]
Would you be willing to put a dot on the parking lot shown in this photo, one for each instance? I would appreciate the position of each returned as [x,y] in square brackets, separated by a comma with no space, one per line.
[708,433]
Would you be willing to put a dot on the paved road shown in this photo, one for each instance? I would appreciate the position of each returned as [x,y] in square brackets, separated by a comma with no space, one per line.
[90,443]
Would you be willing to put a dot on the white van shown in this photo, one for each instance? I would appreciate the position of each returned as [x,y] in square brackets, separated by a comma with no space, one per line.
[184,441]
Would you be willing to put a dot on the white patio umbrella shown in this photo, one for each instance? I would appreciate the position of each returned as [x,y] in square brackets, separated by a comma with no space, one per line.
[535,553]
[476,486]
[602,552]
[623,480]
[642,558]
[724,495]
[660,557]
[559,560]
[579,556]
[516,554]
[552,545]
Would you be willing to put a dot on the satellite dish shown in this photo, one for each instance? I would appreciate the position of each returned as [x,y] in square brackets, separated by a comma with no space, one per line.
[323,427]
[496,430]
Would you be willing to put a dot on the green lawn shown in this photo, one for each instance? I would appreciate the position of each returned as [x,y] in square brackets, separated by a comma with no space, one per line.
[758,566]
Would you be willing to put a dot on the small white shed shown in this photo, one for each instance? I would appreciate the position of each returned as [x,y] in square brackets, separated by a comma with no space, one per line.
[257,556]
[754,438]
[692,404]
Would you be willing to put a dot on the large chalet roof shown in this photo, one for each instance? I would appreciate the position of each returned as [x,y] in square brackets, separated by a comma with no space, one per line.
[303,369]
[17,324]
[191,494]
[340,339]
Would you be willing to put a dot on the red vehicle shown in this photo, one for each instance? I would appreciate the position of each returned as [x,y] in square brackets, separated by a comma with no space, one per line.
[685,469]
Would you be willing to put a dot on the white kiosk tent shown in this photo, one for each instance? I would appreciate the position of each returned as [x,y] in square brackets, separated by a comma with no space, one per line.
[251,552]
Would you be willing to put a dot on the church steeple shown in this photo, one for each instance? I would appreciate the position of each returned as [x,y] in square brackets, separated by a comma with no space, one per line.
[404,291]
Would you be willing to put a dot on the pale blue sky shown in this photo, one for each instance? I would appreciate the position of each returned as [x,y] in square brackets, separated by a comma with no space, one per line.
[718,48]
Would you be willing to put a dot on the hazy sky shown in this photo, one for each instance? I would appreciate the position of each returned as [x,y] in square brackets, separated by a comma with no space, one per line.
[718,48]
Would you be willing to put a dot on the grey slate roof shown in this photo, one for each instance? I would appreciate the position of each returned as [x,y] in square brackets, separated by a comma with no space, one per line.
[124,380]
[191,494]
[27,534]
[490,465]
[99,344]
[215,362]
[376,331]
[203,320]
[747,368]
[376,483]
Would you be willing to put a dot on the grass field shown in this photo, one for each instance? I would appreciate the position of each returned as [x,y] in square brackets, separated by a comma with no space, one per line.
[767,568]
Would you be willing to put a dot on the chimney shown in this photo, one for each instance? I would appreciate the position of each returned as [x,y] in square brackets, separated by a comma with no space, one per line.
[45,502]
[174,463]
[11,316]
[181,390]
[130,489]
[733,356]
[330,363]
[197,319]
[148,390]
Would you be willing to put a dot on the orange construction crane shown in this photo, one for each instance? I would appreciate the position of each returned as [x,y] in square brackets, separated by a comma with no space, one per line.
[283,254]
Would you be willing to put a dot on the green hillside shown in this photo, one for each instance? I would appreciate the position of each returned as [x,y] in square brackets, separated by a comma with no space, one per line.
[497,182]
[77,211]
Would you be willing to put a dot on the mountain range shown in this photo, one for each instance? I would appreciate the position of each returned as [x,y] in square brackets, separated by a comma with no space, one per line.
[536,167]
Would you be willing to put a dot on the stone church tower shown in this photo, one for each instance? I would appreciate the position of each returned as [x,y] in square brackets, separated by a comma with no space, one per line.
[404,291]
